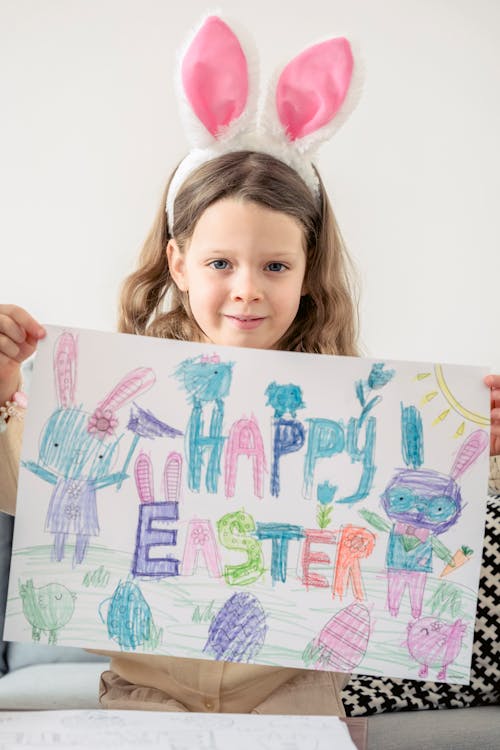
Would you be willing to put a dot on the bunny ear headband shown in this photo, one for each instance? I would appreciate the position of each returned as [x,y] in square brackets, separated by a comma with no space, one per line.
[305,104]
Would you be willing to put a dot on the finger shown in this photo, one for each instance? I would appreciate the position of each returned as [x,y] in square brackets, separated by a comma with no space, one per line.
[8,347]
[25,321]
[10,328]
[494,446]
[492,380]
[25,351]
[7,362]
[495,414]
[16,353]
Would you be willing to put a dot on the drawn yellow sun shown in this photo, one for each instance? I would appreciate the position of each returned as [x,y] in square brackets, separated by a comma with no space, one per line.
[454,403]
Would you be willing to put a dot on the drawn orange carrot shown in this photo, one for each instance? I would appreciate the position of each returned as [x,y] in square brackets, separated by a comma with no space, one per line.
[460,557]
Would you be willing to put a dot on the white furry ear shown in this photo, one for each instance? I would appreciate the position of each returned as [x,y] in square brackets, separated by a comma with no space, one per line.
[309,99]
[217,82]
[217,89]
[65,362]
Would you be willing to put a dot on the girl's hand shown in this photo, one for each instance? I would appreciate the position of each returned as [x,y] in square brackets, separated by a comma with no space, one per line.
[493,383]
[19,336]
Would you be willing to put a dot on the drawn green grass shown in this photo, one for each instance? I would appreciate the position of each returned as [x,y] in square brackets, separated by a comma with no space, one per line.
[98,578]
[181,611]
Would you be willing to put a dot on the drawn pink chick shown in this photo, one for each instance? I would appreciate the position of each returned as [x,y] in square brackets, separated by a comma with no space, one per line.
[435,643]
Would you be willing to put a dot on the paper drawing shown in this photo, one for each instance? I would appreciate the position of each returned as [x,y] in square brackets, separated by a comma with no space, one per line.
[254,506]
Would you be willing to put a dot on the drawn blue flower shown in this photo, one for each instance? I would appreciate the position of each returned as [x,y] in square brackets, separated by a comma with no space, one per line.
[379,377]
[325,493]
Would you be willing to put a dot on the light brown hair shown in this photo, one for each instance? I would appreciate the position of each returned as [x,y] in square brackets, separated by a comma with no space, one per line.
[326,321]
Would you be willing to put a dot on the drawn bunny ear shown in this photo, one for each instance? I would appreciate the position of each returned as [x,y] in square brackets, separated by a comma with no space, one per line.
[135,382]
[143,473]
[469,452]
[172,476]
[65,361]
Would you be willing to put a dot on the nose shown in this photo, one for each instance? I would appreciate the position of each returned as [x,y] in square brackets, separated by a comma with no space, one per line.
[246,286]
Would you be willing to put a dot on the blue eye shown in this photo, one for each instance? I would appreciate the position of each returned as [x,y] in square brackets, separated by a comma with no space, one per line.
[440,508]
[401,499]
[219,265]
[276,267]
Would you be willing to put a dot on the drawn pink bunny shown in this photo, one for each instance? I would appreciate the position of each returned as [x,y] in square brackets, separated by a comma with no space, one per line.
[77,450]
[421,504]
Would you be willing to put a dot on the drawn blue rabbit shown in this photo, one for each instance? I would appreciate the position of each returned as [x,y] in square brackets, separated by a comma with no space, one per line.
[77,450]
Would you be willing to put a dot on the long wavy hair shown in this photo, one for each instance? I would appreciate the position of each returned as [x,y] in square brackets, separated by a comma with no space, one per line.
[326,321]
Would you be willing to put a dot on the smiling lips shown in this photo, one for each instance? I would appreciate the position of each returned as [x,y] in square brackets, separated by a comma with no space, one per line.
[245,322]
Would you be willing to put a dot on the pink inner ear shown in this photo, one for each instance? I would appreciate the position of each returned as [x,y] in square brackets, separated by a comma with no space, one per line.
[65,357]
[143,471]
[215,75]
[313,86]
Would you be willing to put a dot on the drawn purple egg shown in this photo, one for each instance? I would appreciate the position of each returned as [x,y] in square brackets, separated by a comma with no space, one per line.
[238,630]
[343,641]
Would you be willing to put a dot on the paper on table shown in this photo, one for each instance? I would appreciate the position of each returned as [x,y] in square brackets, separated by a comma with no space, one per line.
[147,729]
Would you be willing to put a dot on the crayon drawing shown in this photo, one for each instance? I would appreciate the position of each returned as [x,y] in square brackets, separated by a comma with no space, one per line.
[312,511]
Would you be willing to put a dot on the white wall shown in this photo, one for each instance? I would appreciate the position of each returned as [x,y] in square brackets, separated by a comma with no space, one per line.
[89,132]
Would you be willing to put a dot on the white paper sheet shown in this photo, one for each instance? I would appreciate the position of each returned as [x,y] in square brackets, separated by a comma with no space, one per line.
[253,506]
[151,729]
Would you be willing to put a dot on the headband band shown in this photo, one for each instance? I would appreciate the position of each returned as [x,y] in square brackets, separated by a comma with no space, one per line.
[305,104]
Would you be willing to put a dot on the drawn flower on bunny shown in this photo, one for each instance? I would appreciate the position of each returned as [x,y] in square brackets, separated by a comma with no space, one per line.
[102,423]
[79,448]
[71,510]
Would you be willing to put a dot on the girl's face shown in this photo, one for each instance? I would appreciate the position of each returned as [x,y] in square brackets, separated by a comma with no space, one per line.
[243,269]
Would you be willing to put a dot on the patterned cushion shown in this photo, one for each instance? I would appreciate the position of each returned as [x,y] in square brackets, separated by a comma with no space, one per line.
[6,526]
[370,695]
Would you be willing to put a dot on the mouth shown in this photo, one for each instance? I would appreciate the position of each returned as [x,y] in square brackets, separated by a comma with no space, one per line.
[245,322]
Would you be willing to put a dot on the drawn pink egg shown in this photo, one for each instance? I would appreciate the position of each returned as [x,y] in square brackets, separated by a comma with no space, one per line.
[344,639]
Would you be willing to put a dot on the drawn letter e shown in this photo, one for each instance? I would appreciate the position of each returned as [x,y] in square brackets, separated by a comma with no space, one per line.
[150,535]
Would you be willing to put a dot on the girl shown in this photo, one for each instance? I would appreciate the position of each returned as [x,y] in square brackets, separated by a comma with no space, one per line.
[248,253]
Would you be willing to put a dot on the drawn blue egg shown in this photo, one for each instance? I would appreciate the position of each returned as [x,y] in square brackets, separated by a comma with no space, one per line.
[129,616]
[238,630]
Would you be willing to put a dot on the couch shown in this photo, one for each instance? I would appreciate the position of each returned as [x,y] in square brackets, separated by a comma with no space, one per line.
[38,676]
